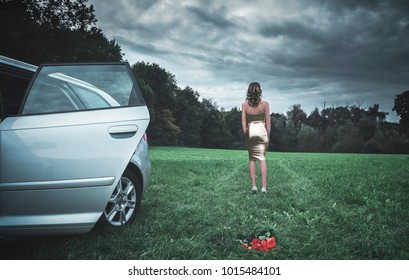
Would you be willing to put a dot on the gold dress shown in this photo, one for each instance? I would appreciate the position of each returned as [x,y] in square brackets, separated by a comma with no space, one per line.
[257,139]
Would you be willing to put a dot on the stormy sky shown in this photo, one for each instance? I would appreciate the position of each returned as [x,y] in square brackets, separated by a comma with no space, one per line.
[313,53]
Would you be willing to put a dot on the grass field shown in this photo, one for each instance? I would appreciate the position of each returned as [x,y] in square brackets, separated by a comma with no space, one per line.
[319,206]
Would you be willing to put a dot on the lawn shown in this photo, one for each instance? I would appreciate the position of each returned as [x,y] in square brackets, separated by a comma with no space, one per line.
[199,206]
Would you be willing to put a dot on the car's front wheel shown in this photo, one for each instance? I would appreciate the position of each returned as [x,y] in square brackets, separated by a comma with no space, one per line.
[124,203]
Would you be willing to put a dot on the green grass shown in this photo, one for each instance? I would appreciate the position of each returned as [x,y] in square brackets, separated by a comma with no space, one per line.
[320,206]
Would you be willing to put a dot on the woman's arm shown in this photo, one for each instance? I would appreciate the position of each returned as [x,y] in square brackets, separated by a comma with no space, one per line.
[243,118]
[268,120]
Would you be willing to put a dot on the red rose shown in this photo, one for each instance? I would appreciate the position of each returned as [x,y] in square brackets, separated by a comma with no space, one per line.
[264,245]
[271,243]
[255,242]
[258,247]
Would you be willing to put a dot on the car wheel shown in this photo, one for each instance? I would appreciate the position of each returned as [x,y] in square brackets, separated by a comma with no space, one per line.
[124,203]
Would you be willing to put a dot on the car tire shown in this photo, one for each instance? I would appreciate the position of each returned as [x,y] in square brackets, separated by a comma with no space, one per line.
[124,203]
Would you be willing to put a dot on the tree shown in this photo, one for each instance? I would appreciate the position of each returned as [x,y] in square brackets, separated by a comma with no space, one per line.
[341,115]
[214,133]
[191,126]
[65,14]
[401,107]
[184,98]
[148,95]
[297,116]
[367,127]
[329,139]
[309,140]
[233,124]
[349,139]
[314,119]
[389,140]
[377,115]
[44,31]
[164,132]
[163,88]
[278,134]
[189,114]
[162,83]
[328,118]
[356,113]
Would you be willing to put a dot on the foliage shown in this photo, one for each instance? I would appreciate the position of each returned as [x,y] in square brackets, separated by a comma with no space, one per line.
[233,123]
[318,206]
[44,31]
[164,130]
[159,88]
[309,139]
[278,139]
[214,131]
[401,106]
[189,114]
[178,117]
[348,129]
[297,117]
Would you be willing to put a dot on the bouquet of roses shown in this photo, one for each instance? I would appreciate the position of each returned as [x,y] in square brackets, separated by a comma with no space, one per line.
[263,241]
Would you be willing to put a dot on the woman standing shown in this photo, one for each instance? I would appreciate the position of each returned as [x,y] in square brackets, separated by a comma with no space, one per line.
[255,121]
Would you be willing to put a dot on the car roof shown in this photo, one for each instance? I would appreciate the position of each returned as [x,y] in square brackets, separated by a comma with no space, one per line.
[17,64]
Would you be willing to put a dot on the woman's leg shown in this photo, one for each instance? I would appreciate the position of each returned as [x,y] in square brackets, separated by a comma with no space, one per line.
[263,173]
[252,167]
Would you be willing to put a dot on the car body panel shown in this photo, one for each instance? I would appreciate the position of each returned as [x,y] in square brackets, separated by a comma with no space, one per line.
[58,168]
[69,146]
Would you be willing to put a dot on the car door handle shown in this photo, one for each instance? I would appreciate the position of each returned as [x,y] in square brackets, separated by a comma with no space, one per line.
[123,131]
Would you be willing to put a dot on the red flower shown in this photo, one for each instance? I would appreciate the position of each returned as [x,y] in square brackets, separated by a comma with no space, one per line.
[258,247]
[255,241]
[271,243]
[263,245]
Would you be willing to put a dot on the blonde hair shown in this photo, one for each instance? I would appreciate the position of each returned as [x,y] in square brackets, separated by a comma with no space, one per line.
[254,91]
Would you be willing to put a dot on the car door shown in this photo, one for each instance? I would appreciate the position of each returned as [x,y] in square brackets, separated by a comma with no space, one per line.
[77,128]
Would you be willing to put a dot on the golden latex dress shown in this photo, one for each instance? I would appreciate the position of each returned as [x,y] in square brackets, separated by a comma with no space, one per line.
[257,139]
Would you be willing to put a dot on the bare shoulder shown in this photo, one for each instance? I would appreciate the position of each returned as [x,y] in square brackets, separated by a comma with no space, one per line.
[265,103]
[244,105]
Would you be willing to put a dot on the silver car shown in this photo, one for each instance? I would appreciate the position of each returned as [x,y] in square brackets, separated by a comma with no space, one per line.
[75,154]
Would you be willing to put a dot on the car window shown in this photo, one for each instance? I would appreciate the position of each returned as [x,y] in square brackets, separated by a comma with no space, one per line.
[61,88]
[47,98]
[15,77]
[90,99]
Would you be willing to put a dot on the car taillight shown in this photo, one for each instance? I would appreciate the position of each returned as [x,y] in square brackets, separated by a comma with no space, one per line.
[145,138]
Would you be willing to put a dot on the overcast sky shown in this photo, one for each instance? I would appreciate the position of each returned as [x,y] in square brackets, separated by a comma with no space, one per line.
[311,53]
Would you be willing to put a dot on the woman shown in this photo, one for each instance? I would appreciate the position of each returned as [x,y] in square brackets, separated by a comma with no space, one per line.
[255,121]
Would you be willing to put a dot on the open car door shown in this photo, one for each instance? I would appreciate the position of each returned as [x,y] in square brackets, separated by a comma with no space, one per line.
[75,134]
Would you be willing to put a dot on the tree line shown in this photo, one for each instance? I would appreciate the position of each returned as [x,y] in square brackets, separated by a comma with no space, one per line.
[180,118]
[43,31]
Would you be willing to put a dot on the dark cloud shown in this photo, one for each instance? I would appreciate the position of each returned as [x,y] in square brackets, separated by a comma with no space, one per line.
[144,5]
[312,52]
[213,17]
[360,41]
[364,48]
